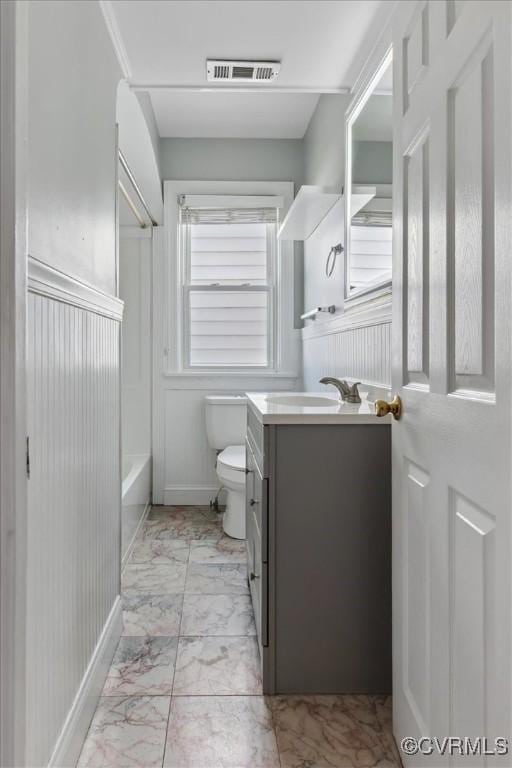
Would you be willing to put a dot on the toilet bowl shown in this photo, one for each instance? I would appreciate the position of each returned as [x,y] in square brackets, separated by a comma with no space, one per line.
[226,417]
[231,474]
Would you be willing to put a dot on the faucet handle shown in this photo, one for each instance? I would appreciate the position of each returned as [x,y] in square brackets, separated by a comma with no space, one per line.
[354,396]
[348,393]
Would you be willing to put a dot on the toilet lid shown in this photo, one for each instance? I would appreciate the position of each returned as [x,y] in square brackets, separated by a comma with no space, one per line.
[233,456]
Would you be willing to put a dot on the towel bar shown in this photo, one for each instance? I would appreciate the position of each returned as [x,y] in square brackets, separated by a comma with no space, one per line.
[311,315]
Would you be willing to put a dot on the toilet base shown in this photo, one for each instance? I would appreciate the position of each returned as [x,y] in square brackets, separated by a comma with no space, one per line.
[233,521]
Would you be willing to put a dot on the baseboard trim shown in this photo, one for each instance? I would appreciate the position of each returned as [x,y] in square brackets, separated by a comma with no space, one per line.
[46,280]
[73,733]
[131,545]
[189,494]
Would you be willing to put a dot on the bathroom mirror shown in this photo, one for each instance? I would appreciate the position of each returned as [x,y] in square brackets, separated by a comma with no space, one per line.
[368,187]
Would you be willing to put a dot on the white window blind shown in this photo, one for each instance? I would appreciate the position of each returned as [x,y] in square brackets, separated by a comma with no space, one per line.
[370,255]
[229,285]
[228,328]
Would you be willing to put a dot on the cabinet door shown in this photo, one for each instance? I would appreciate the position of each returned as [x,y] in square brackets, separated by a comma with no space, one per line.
[256,509]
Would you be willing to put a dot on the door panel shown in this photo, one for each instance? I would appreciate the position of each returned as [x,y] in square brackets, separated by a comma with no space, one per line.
[471,233]
[416,179]
[473,559]
[416,592]
[452,368]
[415,51]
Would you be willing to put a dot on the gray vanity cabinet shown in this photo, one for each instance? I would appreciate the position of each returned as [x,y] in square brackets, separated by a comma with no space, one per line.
[318,512]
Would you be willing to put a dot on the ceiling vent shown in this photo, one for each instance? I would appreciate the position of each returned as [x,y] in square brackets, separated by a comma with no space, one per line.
[222,71]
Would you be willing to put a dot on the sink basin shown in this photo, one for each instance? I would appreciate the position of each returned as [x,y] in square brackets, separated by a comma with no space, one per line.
[303,401]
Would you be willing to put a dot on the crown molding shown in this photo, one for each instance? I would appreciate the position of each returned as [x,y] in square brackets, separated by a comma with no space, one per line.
[109,15]
[172,88]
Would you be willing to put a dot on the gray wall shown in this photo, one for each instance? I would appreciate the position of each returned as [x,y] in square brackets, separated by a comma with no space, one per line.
[372,162]
[232,159]
[324,164]
[324,143]
[73,77]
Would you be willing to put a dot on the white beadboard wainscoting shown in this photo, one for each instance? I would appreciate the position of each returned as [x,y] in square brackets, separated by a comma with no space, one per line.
[352,346]
[74,501]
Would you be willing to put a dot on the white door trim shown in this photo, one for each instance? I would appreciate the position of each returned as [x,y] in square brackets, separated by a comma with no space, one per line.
[13,491]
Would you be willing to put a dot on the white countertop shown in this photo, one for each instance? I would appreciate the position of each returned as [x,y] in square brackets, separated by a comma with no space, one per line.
[268,412]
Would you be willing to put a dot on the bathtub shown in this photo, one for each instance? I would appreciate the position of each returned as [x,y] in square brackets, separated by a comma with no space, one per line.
[136,495]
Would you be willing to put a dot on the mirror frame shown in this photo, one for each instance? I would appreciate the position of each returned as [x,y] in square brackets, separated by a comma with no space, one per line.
[355,108]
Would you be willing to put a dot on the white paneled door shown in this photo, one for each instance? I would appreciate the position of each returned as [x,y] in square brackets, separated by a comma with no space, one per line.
[452,368]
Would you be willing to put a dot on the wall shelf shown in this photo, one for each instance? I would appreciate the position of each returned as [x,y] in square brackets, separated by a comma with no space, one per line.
[309,208]
[361,196]
[312,205]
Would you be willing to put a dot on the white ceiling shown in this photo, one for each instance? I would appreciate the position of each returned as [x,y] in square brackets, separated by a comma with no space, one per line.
[232,115]
[167,42]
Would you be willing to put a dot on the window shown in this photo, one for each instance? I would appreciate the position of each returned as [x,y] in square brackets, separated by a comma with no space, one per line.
[229,280]
[370,253]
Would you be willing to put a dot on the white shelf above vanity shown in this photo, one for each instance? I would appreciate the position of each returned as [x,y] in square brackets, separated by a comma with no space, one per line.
[312,205]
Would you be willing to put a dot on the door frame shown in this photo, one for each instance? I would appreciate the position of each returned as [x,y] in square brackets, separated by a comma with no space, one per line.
[13,277]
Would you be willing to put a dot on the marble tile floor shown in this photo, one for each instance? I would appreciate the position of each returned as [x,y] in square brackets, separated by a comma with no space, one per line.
[184,689]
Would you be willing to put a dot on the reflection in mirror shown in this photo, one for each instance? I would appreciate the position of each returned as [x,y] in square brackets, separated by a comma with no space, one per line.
[369,182]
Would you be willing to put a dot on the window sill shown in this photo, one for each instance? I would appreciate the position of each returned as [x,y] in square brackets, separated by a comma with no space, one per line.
[226,373]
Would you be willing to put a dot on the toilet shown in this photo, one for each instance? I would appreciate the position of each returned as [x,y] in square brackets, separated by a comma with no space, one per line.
[225,427]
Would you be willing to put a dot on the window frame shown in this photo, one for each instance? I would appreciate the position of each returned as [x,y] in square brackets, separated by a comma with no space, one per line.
[188,287]
[167,279]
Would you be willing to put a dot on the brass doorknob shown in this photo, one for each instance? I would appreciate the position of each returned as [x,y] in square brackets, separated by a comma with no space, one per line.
[382,408]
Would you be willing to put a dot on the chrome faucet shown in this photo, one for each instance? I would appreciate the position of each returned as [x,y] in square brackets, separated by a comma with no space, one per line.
[349,394]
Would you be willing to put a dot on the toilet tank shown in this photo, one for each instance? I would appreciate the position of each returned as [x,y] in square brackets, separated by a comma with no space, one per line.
[226,417]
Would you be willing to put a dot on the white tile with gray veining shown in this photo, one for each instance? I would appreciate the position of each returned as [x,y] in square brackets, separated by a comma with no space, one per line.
[185,530]
[217,666]
[160,552]
[222,615]
[222,579]
[225,550]
[127,732]
[221,732]
[384,708]
[337,731]
[152,579]
[152,615]
[142,665]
